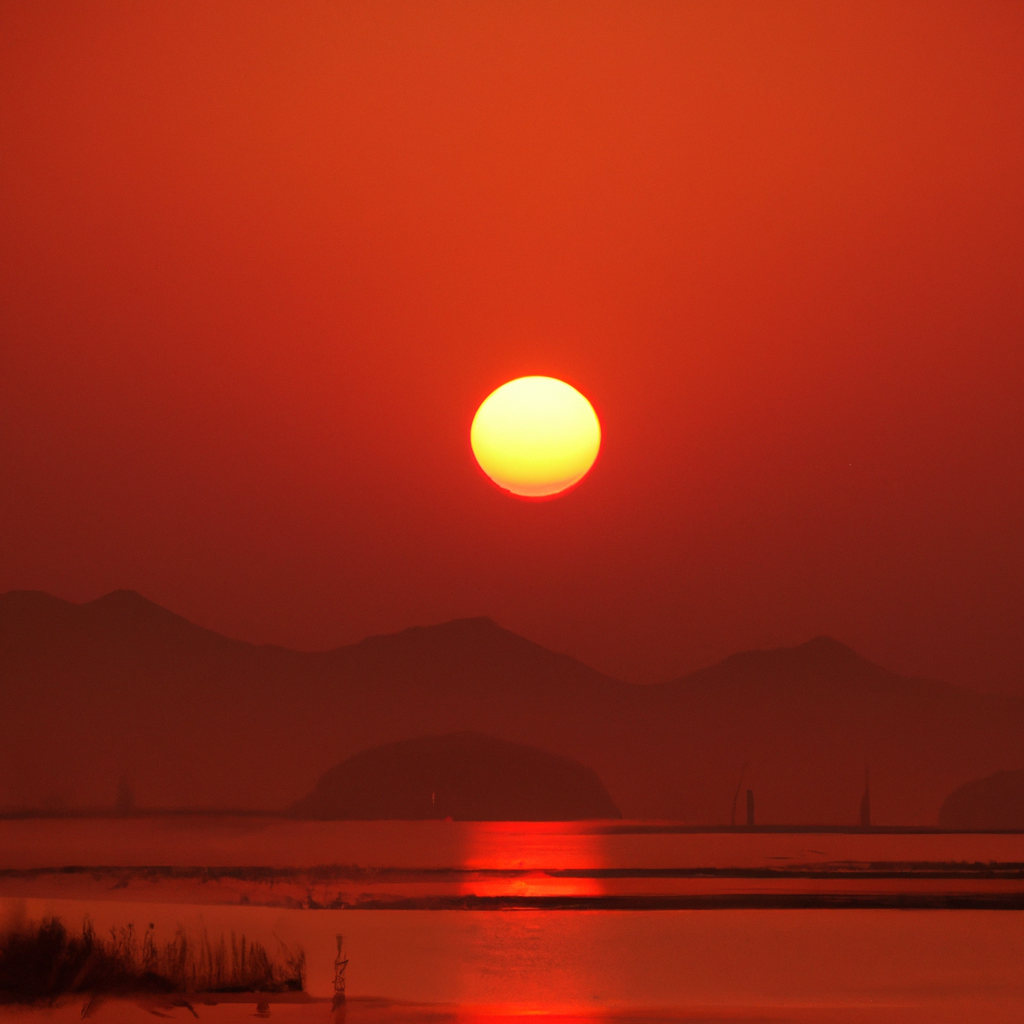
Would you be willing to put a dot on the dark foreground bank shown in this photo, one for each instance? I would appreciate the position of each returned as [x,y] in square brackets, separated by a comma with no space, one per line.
[45,961]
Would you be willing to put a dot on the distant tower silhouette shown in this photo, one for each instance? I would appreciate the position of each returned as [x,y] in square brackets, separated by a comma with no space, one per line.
[750,807]
[736,795]
[865,802]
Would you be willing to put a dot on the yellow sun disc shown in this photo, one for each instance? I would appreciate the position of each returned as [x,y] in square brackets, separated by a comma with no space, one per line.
[535,436]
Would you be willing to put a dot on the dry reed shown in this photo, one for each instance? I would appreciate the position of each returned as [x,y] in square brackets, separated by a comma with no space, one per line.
[45,961]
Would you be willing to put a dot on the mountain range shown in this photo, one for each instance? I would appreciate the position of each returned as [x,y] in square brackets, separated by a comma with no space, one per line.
[122,689]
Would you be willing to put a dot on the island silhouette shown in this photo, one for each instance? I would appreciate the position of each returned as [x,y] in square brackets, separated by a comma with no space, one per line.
[464,776]
[993,803]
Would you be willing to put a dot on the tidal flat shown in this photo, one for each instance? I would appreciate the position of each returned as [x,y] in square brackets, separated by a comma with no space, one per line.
[612,921]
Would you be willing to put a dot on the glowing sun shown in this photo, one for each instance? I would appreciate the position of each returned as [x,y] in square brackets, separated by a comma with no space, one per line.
[535,436]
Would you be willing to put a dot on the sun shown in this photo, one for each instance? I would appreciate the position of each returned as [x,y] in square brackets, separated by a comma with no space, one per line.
[535,436]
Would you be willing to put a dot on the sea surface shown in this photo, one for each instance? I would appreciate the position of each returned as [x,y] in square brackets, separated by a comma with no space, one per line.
[618,921]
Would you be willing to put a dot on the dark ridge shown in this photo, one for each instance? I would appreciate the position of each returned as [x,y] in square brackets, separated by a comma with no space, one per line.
[820,660]
[19,608]
[129,609]
[32,600]
[480,630]
[477,645]
[472,624]
[462,631]
[829,648]
[129,602]
[822,653]
[121,619]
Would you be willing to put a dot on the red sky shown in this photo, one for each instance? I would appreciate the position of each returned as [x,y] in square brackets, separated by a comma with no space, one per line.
[262,261]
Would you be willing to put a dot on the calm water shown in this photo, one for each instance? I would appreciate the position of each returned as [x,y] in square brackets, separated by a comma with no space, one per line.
[746,963]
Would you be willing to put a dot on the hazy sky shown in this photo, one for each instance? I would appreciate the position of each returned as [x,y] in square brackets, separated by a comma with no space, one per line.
[262,261]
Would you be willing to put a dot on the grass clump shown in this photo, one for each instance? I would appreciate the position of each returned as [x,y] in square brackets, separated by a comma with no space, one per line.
[45,961]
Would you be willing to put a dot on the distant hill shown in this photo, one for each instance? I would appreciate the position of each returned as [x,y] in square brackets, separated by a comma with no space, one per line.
[809,719]
[119,687]
[464,776]
[995,802]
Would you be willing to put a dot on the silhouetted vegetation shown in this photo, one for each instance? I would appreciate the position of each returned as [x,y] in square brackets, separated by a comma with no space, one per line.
[44,962]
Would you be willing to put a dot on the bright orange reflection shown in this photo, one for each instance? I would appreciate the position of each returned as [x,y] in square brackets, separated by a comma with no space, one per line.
[521,858]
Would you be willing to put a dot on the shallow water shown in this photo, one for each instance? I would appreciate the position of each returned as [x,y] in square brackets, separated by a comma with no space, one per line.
[278,842]
[807,964]
[617,962]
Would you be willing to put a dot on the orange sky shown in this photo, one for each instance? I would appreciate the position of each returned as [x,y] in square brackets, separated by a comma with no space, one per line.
[262,261]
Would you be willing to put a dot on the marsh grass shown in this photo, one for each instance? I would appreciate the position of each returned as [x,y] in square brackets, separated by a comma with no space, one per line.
[43,962]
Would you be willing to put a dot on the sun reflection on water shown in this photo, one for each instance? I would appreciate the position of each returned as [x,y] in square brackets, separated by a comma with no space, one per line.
[521,858]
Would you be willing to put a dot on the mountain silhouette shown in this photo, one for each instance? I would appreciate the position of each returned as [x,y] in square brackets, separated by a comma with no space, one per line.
[122,689]
[810,719]
[464,776]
